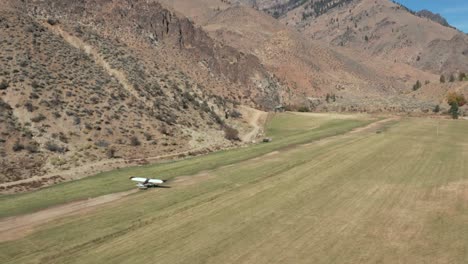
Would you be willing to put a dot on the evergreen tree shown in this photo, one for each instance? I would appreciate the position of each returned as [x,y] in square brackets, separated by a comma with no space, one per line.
[417,85]
[442,79]
[454,110]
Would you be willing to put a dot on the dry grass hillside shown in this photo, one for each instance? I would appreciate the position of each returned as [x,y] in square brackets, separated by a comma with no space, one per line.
[309,69]
[80,89]
[383,29]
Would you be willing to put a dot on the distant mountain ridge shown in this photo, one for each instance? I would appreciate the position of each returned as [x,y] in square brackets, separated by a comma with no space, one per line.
[434,17]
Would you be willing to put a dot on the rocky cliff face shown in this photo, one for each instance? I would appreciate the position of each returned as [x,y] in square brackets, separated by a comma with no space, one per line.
[142,21]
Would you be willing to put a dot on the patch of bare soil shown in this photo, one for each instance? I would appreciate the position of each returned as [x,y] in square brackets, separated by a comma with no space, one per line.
[16,227]
[371,127]
[459,189]
[375,125]
[256,119]
[190,180]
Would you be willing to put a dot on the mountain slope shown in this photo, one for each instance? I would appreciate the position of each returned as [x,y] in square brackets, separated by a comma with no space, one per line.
[308,68]
[380,28]
[84,88]
[434,17]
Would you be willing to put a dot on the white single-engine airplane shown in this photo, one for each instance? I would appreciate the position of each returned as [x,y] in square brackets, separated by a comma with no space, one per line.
[145,183]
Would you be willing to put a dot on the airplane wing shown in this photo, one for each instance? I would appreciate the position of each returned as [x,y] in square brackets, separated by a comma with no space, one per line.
[144,183]
[138,179]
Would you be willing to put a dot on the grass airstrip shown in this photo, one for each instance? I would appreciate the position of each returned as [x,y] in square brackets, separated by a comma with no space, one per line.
[395,192]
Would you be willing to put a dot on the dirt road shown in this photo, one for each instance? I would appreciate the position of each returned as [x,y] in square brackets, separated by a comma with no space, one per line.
[12,228]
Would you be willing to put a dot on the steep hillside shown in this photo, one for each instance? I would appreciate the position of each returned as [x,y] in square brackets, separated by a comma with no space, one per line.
[381,28]
[434,17]
[83,87]
[308,68]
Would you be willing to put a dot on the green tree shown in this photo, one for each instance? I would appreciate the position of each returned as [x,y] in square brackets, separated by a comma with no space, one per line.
[454,110]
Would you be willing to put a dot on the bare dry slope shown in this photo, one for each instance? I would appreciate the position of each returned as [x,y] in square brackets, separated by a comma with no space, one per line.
[83,85]
[384,29]
[309,69]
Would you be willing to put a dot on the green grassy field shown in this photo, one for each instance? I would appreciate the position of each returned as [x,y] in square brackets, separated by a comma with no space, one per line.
[117,180]
[400,196]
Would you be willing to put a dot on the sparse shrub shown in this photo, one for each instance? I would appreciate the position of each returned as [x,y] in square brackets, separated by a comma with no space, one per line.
[32,147]
[62,137]
[235,114]
[231,133]
[442,79]
[35,84]
[23,63]
[462,76]
[38,118]
[417,85]
[303,109]
[101,143]
[452,78]
[33,96]
[76,120]
[17,146]
[110,153]
[134,141]
[148,136]
[52,21]
[29,106]
[51,146]
[4,85]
